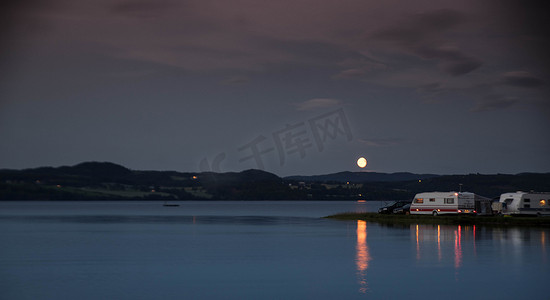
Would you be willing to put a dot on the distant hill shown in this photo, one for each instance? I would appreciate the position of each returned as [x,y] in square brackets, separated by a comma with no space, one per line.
[252,176]
[358,177]
[109,181]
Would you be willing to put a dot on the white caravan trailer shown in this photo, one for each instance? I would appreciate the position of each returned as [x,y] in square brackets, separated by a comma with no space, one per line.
[525,203]
[438,203]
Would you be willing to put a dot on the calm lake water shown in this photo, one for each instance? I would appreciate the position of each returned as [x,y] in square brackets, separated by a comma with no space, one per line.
[253,250]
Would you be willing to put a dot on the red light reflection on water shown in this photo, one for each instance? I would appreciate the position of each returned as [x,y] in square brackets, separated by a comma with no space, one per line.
[439,236]
[458,247]
[454,246]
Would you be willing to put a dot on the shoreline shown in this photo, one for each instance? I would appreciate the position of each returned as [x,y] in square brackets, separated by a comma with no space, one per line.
[445,220]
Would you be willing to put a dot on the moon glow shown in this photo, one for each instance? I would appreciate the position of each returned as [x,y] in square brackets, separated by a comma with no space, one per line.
[362,162]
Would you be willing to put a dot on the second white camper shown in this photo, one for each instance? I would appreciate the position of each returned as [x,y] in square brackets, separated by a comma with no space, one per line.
[439,203]
[521,203]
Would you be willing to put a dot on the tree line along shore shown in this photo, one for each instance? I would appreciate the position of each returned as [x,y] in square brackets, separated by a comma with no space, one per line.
[109,181]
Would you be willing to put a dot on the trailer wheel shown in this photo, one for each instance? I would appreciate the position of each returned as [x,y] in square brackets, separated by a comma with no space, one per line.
[434,213]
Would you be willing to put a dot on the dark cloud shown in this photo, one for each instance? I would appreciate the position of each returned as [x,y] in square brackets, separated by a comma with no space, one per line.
[236,80]
[432,90]
[359,69]
[527,22]
[494,102]
[381,142]
[305,51]
[142,8]
[424,36]
[21,19]
[356,73]
[452,61]
[461,67]
[522,79]
[421,26]
[317,103]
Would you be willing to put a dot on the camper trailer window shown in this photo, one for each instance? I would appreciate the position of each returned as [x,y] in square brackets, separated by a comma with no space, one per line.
[527,205]
[527,200]
[419,200]
[432,199]
[542,202]
[449,200]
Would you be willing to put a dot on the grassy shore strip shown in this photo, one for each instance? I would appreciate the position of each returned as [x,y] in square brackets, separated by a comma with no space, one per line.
[448,219]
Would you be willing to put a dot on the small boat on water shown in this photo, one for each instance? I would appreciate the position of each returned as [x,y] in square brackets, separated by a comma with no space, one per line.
[170,204]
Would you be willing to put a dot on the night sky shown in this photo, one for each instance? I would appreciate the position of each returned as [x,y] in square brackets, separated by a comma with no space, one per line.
[290,86]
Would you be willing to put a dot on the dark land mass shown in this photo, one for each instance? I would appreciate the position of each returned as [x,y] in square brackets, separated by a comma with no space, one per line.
[108,181]
[445,220]
[359,177]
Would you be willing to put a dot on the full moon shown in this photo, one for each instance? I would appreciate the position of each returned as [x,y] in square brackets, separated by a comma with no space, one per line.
[362,162]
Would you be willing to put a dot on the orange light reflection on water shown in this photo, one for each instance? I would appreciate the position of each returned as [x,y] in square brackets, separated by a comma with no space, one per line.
[417,244]
[543,245]
[439,242]
[362,256]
